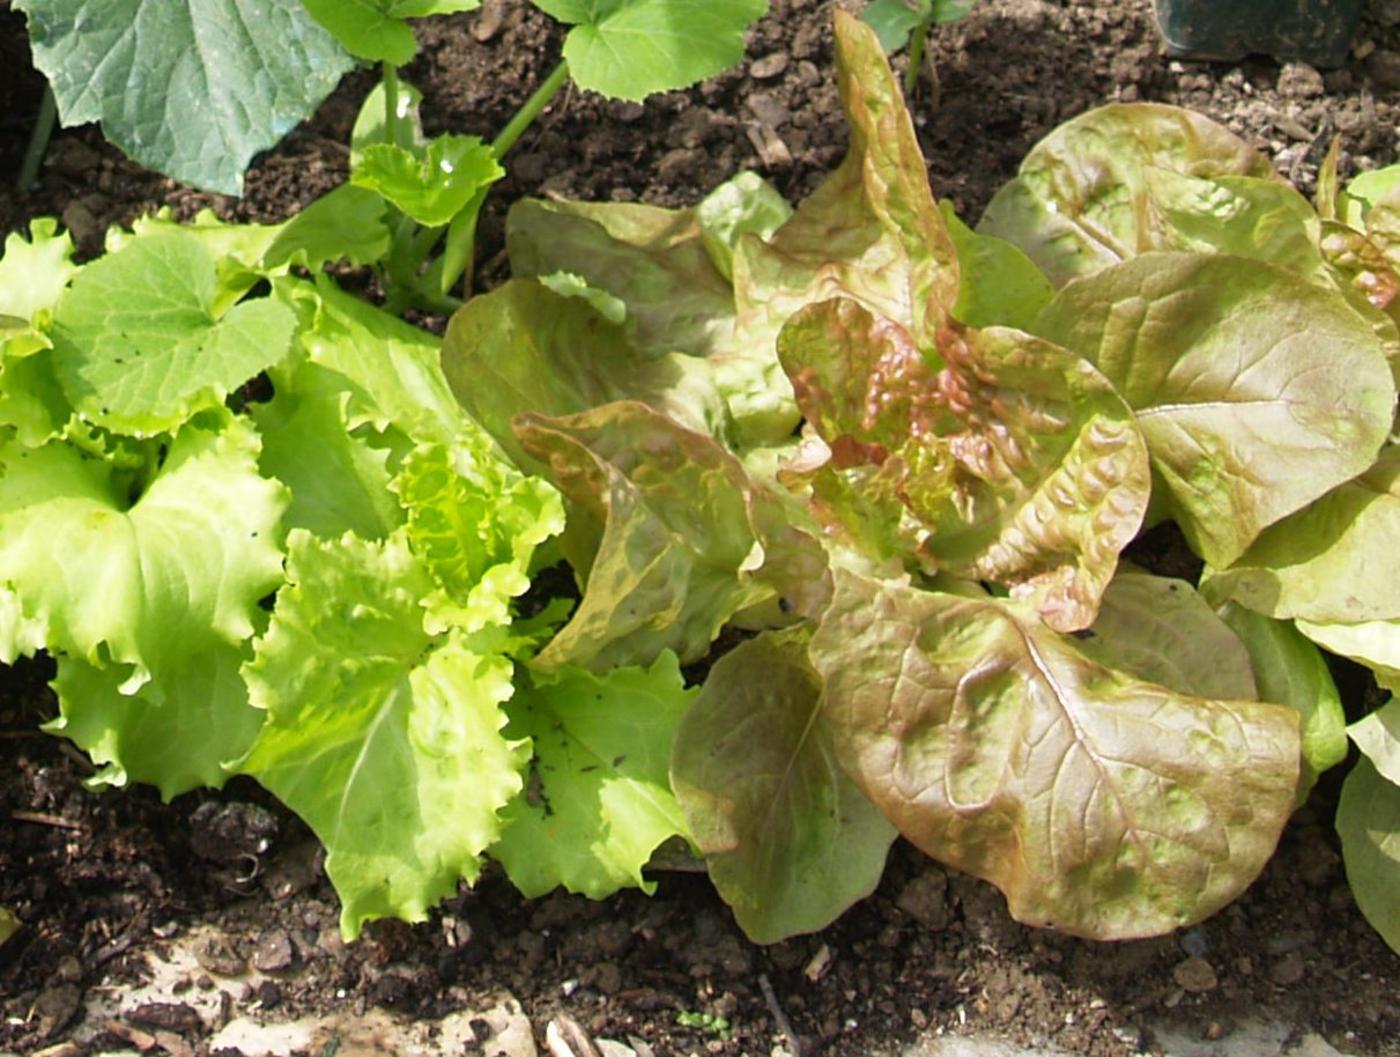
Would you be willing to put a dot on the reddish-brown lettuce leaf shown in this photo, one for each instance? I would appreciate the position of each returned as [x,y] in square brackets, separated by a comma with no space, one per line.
[672,535]
[1257,391]
[871,231]
[1100,804]
[790,840]
[1089,195]
[1014,461]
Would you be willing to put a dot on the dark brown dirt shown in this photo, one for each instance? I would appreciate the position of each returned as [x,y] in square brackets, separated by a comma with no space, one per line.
[98,879]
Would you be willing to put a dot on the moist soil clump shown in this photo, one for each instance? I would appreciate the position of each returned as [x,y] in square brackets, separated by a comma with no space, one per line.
[106,882]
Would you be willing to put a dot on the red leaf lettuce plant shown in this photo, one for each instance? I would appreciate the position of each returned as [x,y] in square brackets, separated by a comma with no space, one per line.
[903,457]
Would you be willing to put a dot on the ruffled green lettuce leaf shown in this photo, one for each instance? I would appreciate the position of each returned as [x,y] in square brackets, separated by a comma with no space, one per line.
[598,802]
[120,582]
[35,271]
[1100,804]
[385,739]
[177,732]
[791,842]
[1257,392]
[475,522]
[746,204]
[1015,460]
[339,480]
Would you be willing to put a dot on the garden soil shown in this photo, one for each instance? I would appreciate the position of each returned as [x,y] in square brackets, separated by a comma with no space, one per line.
[109,885]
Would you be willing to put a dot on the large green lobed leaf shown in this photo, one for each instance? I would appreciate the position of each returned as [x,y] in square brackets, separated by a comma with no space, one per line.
[630,49]
[1100,804]
[378,30]
[191,88]
[790,840]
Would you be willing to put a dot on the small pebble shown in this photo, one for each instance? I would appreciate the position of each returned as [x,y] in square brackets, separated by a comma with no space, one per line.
[1196,975]
[769,66]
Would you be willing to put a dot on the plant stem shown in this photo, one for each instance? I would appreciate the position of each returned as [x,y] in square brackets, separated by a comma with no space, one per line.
[38,141]
[917,40]
[391,103]
[531,109]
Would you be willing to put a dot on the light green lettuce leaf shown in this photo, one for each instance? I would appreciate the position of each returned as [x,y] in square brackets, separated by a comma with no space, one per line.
[377,30]
[598,802]
[1257,392]
[1334,562]
[346,224]
[391,369]
[339,481]
[670,533]
[31,399]
[746,204]
[630,49]
[475,522]
[139,346]
[1368,821]
[1290,670]
[1374,643]
[1000,285]
[176,732]
[432,184]
[385,739]
[35,271]
[653,260]
[247,73]
[1084,197]
[790,840]
[991,455]
[1158,629]
[1378,736]
[1100,804]
[121,582]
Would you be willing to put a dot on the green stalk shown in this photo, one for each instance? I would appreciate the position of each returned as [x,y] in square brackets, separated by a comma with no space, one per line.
[391,103]
[38,141]
[917,41]
[541,98]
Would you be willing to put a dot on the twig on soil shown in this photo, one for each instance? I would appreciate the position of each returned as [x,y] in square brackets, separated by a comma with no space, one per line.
[784,1025]
[41,819]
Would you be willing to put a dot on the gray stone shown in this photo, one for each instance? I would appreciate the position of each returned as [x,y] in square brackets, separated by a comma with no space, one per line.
[958,1046]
